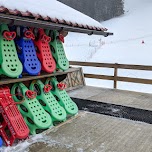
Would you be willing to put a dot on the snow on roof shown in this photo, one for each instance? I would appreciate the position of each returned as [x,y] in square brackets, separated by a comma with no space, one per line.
[49,10]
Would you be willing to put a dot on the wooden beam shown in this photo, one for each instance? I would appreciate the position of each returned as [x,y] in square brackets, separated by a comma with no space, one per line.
[29,78]
[135,80]
[31,22]
[93,64]
[123,79]
[105,77]
[109,65]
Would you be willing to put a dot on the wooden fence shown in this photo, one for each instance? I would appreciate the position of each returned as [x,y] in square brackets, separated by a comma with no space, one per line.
[115,76]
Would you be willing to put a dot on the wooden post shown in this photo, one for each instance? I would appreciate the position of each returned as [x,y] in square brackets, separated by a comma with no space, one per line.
[115,76]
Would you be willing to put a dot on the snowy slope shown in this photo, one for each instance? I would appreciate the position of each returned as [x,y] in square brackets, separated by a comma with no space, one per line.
[124,47]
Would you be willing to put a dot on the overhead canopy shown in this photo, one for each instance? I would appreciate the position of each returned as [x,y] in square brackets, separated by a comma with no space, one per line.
[48,14]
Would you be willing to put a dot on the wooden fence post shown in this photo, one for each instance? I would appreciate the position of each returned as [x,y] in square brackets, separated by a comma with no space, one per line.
[115,76]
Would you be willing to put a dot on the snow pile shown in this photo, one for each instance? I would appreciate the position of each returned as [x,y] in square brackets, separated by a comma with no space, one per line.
[125,47]
[50,8]
[23,146]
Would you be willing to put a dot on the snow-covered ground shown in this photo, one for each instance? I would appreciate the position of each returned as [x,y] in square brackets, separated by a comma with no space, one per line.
[125,47]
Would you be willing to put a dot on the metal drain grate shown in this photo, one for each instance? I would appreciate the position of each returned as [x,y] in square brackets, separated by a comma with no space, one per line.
[114,110]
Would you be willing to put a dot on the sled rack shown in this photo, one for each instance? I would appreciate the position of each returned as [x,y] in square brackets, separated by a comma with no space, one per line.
[6,80]
[32,22]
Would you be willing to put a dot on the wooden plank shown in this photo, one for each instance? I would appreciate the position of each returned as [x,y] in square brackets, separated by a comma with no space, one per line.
[134,67]
[124,79]
[93,64]
[29,78]
[135,80]
[105,77]
[109,65]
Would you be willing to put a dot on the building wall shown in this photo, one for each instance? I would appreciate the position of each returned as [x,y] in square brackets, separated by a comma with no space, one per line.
[98,9]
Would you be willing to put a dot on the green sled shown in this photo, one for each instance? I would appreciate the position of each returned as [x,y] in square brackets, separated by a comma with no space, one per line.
[10,64]
[58,52]
[34,115]
[62,97]
[48,101]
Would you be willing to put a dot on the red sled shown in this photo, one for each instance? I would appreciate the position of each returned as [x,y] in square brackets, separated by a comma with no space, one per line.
[44,52]
[12,124]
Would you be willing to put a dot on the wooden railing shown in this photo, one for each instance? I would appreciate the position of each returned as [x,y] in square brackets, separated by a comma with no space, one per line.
[115,76]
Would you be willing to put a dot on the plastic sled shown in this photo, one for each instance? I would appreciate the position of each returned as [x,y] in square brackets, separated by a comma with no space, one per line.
[35,116]
[27,53]
[48,101]
[62,97]
[10,64]
[57,49]
[13,125]
[44,52]
[1,142]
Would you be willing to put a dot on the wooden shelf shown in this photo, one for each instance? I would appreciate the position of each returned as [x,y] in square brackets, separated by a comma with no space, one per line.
[29,78]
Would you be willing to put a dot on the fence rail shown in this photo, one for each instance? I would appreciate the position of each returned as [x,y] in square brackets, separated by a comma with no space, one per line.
[115,76]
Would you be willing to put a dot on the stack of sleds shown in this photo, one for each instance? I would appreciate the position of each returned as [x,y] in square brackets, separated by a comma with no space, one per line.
[38,106]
